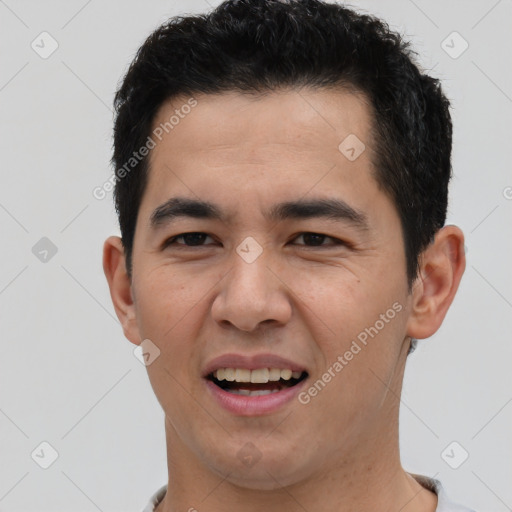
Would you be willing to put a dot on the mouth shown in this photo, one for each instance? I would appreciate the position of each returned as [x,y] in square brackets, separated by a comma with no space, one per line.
[258,382]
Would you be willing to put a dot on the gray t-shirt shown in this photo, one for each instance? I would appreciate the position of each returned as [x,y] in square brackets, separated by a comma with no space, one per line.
[444,504]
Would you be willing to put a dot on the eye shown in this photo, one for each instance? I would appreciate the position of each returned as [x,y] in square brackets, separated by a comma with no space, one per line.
[191,239]
[196,239]
[316,239]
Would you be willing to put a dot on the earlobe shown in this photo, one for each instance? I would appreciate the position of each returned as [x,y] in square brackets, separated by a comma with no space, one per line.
[114,266]
[442,264]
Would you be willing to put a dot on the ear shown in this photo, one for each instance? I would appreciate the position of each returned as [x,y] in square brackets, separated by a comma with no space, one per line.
[442,264]
[114,266]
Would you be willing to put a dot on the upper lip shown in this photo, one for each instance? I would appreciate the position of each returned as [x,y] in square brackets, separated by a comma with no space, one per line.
[252,362]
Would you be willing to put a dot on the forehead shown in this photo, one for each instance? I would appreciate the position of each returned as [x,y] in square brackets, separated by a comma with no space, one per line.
[299,118]
[235,148]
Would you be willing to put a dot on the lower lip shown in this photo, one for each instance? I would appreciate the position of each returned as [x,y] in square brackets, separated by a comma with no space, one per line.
[244,405]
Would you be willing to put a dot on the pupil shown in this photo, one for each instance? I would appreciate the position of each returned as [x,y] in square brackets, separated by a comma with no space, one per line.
[191,237]
[309,236]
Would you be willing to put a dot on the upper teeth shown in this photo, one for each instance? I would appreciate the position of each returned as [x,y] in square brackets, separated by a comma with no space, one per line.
[259,376]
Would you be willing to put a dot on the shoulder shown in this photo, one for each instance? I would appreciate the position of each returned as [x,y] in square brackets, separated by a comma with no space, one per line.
[155,499]
[444,503]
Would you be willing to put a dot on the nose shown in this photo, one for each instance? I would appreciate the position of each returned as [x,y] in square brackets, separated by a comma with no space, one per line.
[252,294]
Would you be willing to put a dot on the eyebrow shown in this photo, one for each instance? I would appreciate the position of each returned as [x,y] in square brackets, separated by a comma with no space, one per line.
[331,208]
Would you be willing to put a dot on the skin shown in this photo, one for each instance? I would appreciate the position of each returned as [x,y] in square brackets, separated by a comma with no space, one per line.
[300,301]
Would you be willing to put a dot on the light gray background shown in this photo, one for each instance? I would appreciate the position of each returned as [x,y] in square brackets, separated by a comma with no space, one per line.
[69,377]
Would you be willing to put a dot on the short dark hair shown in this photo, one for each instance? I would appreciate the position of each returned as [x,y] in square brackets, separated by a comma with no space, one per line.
[257,46]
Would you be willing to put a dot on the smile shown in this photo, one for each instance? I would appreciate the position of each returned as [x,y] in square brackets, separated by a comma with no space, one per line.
[254,392]
[259,382]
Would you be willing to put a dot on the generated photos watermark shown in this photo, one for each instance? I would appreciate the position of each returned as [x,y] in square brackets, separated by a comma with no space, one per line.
[305,397]
[100,192]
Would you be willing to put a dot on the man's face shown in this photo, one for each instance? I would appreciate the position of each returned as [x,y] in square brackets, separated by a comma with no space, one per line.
[300,287]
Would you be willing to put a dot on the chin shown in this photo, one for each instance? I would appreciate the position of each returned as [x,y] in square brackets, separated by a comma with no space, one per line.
[264,470]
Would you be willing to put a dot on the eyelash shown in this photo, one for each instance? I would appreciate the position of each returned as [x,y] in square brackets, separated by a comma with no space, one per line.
[171,241]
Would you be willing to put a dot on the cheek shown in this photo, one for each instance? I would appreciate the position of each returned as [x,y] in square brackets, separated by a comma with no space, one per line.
[338,303]
[366,326]
[164,298]
[170,312]
[171,308]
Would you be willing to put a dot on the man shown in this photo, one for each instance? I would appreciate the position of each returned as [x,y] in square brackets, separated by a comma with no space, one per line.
[282,174]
